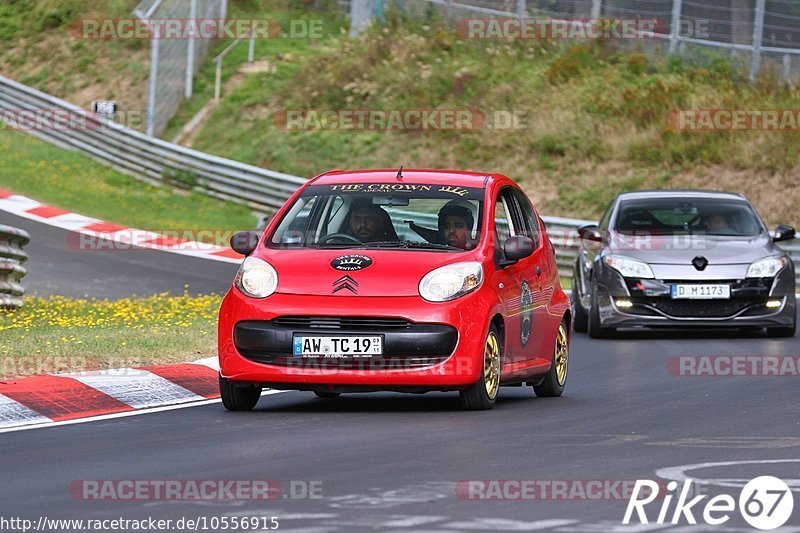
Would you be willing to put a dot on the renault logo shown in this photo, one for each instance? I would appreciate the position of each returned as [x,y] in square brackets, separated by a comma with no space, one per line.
[700,262]
[345,283]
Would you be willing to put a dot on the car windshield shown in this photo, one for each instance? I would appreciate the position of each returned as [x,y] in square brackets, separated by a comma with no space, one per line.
[672,216]
[400,216]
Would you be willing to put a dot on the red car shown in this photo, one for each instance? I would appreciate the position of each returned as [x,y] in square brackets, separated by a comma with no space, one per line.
[412,281]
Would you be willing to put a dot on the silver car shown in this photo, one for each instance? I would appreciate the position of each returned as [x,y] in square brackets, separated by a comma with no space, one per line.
[683,259]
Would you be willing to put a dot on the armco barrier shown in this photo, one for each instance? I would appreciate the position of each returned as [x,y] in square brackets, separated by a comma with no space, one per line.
[158,161]
[149,158]
[11,270]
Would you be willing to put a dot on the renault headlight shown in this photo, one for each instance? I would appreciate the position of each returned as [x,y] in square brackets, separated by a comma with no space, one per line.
[451,281]
[766,268]
[256,278]
[629,268]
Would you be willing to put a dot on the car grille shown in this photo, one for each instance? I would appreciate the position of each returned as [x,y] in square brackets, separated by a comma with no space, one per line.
[699,308]
[334,323]
[406,344]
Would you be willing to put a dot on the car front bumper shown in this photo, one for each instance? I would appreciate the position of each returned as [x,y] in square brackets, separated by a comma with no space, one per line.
[427,346]
[646,302]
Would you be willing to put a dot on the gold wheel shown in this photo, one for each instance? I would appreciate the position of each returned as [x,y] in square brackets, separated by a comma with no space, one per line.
[491,365]
[562,354]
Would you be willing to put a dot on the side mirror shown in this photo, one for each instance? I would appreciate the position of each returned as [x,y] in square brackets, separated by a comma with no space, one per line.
[783,233]
[590,232]
[245,242]
[518,247]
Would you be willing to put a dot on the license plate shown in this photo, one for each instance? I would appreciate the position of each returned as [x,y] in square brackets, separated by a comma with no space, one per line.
[338,347]
[701,292]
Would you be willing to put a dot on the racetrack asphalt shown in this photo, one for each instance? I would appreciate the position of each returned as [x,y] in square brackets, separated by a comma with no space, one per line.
[57,267]
[392,462]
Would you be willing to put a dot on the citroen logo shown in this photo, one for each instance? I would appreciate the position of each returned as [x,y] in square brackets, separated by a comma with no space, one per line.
[700,262]
[345,283]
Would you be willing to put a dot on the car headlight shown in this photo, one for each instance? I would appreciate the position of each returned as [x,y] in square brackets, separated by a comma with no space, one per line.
[451,281]
[629,268]
[766,268]
[256,278]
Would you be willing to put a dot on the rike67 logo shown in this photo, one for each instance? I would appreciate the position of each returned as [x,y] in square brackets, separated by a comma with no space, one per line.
[765,503]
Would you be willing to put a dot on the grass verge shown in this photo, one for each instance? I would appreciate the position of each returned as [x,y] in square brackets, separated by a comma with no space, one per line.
[594,116]
[60,334]
[71,181]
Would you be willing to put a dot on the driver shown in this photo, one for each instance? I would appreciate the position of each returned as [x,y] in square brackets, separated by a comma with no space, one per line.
[717,222]
[369,223]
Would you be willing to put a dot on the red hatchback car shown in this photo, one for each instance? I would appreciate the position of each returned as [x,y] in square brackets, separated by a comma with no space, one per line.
[411,281]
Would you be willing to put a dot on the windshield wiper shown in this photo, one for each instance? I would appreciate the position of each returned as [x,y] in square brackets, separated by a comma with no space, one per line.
[385,244]
[410,244]
[433,246]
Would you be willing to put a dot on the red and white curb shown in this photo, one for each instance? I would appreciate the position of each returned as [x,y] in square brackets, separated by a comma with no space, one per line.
[45,399]
[97,229]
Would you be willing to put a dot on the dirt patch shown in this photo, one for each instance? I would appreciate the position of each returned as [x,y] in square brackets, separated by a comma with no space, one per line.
[81,71]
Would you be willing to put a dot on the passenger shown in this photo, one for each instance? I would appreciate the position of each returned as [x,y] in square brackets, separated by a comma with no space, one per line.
[455,225]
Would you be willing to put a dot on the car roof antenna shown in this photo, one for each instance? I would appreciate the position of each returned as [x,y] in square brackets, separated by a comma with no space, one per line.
[399,173]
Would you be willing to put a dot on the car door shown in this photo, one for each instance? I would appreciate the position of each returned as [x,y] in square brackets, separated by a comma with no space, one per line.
[536,279]
[523,283]
[508,285]
[589,251]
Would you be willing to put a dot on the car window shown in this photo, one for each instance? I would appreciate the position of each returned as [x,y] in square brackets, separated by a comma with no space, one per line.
[530,220]
[606,216]
[680,215]
[392,216]
[502,220]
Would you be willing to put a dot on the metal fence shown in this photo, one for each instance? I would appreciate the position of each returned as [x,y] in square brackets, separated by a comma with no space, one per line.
[11,270]
[753,34]
[174,62]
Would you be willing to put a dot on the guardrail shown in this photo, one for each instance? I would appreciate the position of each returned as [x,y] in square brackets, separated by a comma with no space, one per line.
[158,162]
[11,270]
[149,158]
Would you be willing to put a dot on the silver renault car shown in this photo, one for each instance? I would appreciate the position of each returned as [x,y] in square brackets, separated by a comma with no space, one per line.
[683,259]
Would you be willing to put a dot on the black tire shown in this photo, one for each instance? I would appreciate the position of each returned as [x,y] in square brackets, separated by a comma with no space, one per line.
[481,396]
[580,318]
[238,398]
[553,383]
[596,331]
[327,394]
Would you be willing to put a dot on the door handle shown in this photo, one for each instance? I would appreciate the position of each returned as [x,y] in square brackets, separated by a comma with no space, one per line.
[538,270]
